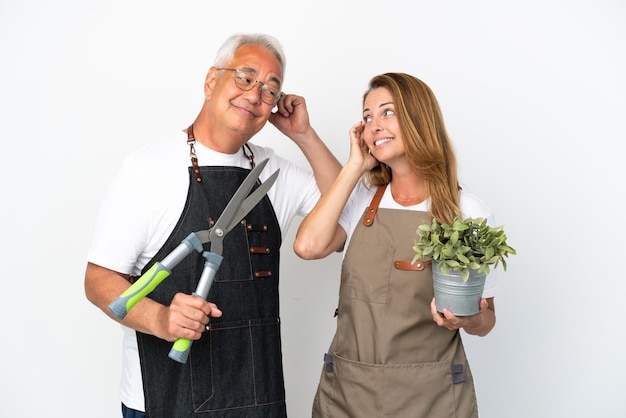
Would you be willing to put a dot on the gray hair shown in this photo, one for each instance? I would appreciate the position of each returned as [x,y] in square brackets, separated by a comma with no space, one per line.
[228,48]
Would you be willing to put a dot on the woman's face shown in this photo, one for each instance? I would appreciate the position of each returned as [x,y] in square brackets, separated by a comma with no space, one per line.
[382,129]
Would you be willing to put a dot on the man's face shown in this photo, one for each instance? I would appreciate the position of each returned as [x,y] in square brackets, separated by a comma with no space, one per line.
[239,111]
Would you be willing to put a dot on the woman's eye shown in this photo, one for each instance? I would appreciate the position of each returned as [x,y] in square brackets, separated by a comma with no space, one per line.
[367,119]
[389,112]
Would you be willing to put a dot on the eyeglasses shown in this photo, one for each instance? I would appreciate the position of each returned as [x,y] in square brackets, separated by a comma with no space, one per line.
[246,81]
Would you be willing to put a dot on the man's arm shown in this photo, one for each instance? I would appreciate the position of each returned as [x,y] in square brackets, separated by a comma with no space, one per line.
[186,317]
[292,119]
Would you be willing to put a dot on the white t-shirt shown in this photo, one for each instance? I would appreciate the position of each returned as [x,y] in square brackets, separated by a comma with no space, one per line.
[361,197]
[144,202]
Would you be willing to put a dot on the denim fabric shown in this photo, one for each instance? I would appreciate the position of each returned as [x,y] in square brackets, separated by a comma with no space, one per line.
[235,369]
[132,413]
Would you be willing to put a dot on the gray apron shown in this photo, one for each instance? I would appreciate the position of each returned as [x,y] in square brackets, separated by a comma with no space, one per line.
[235,369]
[388,358]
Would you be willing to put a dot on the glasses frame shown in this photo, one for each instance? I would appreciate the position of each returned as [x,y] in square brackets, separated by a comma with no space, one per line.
[264,86]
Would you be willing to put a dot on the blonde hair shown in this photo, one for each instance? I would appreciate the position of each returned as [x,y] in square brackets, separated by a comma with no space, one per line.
[426,143]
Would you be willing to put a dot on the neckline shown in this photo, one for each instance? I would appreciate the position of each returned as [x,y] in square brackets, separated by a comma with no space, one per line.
[389,202]
[191,141]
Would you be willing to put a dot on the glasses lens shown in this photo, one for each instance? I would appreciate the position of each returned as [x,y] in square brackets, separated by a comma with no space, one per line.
[244,80]
[269,94]
[247,81]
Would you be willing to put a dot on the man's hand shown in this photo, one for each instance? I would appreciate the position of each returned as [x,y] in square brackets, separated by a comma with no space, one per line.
[292,118]
[186,317]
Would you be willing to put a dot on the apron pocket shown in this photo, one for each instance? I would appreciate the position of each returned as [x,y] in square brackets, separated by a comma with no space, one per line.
[355,389]
[241,271]
[377,261]
[240,351]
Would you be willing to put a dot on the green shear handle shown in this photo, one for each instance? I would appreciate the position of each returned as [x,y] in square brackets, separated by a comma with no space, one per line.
[154,276]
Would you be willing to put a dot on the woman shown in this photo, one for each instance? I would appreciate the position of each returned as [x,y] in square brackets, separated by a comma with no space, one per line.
[393,354]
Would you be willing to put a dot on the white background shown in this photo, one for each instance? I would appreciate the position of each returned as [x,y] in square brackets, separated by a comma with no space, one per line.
[533,95]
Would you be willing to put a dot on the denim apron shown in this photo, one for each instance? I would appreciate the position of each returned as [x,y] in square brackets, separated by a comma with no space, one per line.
[388,358]
[235,368]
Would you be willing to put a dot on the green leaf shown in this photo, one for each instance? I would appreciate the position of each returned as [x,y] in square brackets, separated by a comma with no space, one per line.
[447,250]
[509,249]
[452,263]
[454,237]
[435,239]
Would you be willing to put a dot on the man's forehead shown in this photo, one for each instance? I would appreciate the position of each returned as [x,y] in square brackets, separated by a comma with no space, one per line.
[257,59]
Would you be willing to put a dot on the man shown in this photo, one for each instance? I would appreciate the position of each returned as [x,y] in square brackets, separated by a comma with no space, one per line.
[178,185]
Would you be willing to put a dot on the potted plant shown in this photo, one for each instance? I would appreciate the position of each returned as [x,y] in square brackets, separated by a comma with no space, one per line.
[462,254]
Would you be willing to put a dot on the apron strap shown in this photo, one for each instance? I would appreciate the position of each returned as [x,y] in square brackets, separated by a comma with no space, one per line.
[370,212]
[191,140]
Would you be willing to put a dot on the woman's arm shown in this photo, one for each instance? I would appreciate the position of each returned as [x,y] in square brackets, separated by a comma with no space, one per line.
[320,233]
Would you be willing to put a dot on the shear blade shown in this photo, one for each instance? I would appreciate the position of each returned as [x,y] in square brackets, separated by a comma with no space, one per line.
[238,207]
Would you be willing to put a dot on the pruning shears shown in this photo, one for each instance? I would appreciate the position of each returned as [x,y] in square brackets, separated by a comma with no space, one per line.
[239,205]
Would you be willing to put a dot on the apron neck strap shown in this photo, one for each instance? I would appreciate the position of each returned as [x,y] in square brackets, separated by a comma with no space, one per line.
[370,212]
[191,141]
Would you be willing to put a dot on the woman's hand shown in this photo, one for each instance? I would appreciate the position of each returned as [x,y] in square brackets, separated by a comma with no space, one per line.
[478,324]
[359,152]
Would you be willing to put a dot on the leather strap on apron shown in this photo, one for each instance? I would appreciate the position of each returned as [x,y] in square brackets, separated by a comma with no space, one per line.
[407,265]
[191,141]
[371,210]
